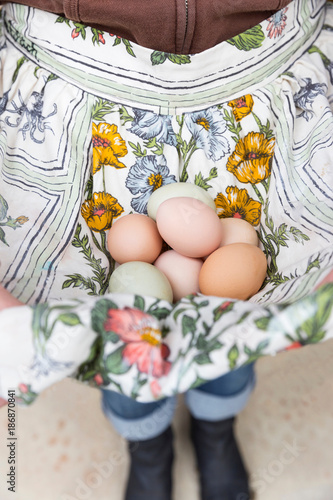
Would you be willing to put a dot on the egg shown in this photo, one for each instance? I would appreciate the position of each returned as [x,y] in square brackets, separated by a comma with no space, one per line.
[189,226]
[235,271]
[182,272]
[176,190]
[140,278]
[134,237]
[236,230]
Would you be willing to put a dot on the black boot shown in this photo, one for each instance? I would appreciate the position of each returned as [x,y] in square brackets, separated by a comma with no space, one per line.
[150,469]
[221,469]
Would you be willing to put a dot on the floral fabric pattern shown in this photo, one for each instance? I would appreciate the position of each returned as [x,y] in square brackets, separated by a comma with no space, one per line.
[249,121]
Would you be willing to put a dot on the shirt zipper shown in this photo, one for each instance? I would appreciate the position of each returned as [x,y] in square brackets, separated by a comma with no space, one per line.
[186,18]
[186,21]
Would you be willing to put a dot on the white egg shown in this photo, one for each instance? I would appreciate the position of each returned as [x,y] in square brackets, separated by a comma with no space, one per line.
[181,271]
[140,278]
[176,190]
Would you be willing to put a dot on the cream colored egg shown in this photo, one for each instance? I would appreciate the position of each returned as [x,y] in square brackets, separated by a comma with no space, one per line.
[140,278]
[176,190]
[182,272]
[236,230]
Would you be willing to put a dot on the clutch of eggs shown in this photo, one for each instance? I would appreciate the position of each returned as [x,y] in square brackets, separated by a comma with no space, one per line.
[210,255]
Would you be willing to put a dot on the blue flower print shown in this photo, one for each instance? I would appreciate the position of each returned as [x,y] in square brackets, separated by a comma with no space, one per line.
[208,128]
[147,125]
[306,95]
[147,174]
[277,23]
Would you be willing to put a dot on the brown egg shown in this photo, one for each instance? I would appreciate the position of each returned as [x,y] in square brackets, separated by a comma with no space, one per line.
[134,237]
[235,271]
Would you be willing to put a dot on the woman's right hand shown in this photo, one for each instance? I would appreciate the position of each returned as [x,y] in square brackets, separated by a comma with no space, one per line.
[7,299]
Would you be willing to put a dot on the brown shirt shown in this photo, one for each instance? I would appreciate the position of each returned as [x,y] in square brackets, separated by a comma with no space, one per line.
[176,26]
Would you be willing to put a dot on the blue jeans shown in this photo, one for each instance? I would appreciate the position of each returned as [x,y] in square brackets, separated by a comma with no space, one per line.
[218,399]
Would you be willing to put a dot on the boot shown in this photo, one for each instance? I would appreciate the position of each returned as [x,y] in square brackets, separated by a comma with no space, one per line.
[150,469]
[221,470]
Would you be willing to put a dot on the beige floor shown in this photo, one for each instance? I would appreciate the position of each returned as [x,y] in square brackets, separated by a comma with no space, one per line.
[66,450]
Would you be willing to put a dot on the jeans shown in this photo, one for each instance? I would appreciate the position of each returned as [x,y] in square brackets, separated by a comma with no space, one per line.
[215,400]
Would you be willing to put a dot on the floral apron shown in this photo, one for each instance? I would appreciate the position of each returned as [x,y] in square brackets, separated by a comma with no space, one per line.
[90,126]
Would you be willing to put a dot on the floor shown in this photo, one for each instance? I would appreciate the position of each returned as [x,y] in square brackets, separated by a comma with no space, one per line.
[66,449]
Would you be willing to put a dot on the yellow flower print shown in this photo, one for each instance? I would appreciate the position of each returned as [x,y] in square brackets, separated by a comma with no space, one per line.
[252,158]
[108,146]
[100,211]
[22,219]
[241,107]
[155,181]
[238,204]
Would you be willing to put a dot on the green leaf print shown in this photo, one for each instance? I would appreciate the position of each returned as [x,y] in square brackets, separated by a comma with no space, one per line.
[202,359]
[188,325]
[3,207]
[233,126]
[125,116]
[137,149]
[233,355]
[80,29]
[98,317]
[202,343]
[97,36]
[158,312]
[100,275]
[114,362]
[314,327]
[18,66]
[10,222]
[203,183]
[273,238]
[117,42]
[61,19]
[88,190]
[222,309]
[3,236]
[262,323]
[152,143]
[78,281]
[69,319]
[158,57]
[101,108]
[250,39]
[139,303]
[179,59]
[128,46]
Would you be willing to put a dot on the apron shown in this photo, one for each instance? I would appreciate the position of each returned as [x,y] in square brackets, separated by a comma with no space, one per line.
[90,126]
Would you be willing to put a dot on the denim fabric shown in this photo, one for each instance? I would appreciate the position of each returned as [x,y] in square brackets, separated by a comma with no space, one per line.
[218,399]
[223,397]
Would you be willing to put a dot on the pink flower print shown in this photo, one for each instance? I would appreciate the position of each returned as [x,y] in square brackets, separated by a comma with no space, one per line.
[155,388]
[98,379]
[75,33]
[101,38]
[23,388]
[143,340]
[277,23]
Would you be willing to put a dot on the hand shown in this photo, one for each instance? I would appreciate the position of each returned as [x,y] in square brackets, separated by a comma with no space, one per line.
[7,299]
[3,402]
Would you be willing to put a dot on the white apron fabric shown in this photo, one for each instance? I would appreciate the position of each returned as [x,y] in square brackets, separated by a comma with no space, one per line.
[90,126]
